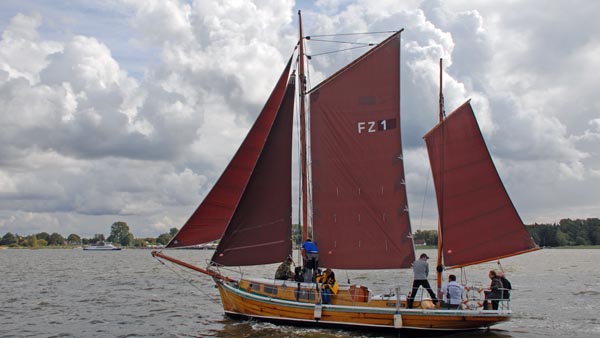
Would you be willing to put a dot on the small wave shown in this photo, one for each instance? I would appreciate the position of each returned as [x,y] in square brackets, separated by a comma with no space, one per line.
[587,293]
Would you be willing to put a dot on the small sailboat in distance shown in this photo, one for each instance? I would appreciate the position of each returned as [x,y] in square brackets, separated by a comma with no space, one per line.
[359,205]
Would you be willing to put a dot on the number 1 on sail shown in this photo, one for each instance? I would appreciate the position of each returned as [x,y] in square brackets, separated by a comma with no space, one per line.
[375,126]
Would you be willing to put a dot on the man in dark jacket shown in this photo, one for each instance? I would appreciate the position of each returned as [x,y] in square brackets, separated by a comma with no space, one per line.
[506,286]
[494,293]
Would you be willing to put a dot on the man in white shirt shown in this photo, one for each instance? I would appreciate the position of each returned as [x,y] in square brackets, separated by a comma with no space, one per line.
[452,294]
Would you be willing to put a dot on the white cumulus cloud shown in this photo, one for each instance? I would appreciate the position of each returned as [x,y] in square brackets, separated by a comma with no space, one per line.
[131,110]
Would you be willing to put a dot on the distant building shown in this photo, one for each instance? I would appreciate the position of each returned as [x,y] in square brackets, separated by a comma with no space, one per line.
[420,242]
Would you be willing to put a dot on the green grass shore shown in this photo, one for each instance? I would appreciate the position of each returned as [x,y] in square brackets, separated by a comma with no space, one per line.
[43,247]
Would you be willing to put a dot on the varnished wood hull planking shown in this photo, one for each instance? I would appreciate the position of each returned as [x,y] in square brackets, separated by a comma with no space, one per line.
[239,301]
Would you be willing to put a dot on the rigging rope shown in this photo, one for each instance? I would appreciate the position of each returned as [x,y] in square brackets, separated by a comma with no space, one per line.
[211,298]
[347,42]
[299,149]
[308,158]
[336,51]
[463,276]
[347,276]
[360,44]
[424,198]
[308,37]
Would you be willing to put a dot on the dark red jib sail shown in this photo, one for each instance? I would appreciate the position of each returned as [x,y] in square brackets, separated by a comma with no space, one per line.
[260,231]
[478,220]
[360,217]
[252,198]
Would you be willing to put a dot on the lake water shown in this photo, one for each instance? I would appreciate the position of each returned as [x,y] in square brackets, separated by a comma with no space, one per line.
[72,293]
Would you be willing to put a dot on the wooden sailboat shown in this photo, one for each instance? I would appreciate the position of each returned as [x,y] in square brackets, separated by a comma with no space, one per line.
[359,204]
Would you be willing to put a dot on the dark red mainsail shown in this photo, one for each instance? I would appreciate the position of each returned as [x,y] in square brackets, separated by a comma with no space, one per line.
[479,223]
[360,217]
[249,208]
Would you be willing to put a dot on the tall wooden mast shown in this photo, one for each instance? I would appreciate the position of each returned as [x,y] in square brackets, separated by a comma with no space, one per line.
[303,147]
[440,246]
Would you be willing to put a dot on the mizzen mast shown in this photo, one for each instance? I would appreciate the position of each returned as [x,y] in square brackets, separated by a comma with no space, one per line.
[439,266]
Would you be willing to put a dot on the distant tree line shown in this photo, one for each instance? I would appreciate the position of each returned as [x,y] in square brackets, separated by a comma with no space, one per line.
[567,232]
[429,237]
[119,234]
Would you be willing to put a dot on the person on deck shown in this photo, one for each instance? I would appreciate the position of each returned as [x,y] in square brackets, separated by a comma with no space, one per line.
[329,285]
[284,271]
[452,294]
[506,286]
[299,274]
[310,253]
[421,271]
[494,293]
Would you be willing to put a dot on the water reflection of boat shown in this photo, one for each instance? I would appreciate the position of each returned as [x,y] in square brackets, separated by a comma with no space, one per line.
[101,246]
[359,208]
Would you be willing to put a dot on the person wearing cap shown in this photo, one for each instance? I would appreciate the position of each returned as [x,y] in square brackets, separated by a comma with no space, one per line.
[421,271]
[284,271]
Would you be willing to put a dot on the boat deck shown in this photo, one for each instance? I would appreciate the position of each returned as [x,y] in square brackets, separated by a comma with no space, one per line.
[348,294]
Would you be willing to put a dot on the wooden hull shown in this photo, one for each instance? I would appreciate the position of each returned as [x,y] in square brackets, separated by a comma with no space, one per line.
[245,299]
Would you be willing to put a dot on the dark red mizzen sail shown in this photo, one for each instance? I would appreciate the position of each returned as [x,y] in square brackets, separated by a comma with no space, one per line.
[478,220]
[360,217]
[248,179]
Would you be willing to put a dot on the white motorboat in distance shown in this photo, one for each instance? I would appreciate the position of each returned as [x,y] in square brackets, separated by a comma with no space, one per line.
[101,246]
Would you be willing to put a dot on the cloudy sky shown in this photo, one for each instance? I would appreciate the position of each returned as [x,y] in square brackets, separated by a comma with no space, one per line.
[128,110]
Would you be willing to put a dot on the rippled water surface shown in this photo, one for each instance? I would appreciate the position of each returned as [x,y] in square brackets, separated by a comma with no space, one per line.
[76,293]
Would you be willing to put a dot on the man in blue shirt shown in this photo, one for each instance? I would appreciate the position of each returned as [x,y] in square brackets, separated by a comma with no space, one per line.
[310,253]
